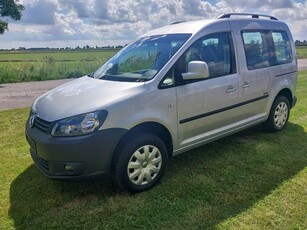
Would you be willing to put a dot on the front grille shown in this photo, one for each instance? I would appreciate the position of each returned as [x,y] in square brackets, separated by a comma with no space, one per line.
[42,124]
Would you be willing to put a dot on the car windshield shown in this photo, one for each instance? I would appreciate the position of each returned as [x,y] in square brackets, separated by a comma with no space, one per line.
[141,60]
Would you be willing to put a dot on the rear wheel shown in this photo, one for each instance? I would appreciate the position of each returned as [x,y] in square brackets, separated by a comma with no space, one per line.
[279,114]
[140,163]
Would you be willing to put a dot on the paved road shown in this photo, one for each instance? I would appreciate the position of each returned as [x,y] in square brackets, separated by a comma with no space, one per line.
[19,95]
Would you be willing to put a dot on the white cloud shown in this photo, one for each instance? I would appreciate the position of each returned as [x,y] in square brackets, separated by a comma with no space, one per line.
[263,4]
[39,12]
[60,23]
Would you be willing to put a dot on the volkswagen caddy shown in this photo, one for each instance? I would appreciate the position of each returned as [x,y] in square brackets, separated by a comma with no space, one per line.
[171,90]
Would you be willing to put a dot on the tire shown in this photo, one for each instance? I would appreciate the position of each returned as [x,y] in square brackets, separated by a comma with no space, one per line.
[140,162]
[279,115]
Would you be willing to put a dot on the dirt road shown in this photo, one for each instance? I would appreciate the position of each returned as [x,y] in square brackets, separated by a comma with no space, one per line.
[19,95]
[302,64]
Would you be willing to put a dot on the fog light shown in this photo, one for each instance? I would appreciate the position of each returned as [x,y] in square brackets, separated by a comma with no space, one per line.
[69,168]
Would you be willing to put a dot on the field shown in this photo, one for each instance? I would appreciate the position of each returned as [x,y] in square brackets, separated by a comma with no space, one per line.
[251,180]
[21,66]
[301,51]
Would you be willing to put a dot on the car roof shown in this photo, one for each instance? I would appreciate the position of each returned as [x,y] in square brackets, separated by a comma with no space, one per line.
[194,26]
[187,27]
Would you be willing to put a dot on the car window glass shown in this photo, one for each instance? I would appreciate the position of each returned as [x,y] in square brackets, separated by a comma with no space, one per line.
[256,50]
[214,49]
[282,47]
[141,60]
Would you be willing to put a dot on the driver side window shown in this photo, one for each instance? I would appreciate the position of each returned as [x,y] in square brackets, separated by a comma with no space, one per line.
[214,49]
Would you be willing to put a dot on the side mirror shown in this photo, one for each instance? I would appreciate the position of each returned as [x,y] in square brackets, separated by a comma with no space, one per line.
[196,70]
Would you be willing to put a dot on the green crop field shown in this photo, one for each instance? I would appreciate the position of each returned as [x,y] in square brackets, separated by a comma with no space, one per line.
[250,180]
[58,55]
[21,66]
[27,65]
[301,51]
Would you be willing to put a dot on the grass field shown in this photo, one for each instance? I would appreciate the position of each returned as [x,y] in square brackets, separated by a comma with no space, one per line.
[21,66]
[301,51]
[251,180]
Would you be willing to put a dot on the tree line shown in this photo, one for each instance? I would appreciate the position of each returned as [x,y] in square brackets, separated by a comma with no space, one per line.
[301,43]
[87,47]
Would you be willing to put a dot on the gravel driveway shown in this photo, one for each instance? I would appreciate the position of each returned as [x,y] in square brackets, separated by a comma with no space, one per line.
[19,95]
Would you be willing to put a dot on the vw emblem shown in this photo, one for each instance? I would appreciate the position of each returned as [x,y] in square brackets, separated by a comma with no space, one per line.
[32,120]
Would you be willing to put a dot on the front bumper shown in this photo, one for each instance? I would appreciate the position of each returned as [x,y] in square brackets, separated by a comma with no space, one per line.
[73,157]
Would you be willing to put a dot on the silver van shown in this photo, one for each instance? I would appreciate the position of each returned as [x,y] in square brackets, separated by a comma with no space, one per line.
[171,90]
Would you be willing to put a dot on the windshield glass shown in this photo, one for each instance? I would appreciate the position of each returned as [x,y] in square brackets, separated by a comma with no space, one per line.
[141,60]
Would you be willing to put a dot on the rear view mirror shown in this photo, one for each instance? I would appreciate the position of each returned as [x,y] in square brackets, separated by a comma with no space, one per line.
[196,70]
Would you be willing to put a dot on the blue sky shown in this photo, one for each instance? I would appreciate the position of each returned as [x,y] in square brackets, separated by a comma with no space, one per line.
[71,23]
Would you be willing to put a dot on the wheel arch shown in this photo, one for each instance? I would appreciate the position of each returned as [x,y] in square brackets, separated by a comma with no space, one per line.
[151,128]
[288,94]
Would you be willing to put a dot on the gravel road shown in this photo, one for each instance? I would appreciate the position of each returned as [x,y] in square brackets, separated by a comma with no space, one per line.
[19,95]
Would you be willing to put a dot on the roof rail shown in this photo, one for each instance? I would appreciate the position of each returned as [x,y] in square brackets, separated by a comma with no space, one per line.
[247,14]
[173,23]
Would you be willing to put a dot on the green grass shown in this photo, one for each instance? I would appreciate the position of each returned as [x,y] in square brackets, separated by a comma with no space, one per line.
[21,66]
[59,55]
[301,51]
[251,180]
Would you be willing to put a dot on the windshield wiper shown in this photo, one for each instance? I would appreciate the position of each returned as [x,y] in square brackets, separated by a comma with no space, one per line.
[91,75]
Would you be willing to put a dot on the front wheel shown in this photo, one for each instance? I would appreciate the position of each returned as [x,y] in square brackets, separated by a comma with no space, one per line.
[279,114]
[140,163]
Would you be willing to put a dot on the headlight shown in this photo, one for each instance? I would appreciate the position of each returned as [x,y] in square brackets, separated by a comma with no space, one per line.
[79,125]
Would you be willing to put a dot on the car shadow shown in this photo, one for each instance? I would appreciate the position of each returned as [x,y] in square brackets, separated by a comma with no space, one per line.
[214,182]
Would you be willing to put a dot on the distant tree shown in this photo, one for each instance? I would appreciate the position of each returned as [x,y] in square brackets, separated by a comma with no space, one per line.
[11,9]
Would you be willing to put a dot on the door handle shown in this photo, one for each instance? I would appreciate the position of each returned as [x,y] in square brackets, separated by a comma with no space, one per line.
[230,89]
[246,84]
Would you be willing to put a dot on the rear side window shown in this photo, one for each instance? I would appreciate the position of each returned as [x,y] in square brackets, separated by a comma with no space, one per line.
[282,47]
[266,48]
[256,49]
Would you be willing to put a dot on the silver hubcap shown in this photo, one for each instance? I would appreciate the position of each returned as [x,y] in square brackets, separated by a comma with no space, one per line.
[281,114]
[144,165]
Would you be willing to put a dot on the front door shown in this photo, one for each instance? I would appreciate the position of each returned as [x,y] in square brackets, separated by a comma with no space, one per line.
[204,107]
[207,107]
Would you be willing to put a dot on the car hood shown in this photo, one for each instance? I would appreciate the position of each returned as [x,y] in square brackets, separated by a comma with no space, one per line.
[82,95]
